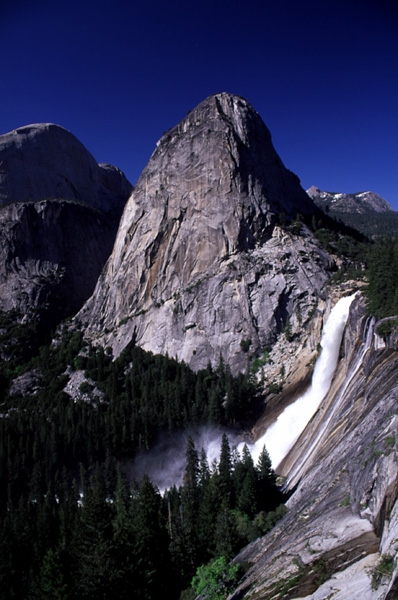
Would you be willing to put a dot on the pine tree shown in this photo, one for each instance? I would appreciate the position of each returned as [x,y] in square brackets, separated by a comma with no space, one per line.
[95,549]
[204,471]
[226,538]
[124,582]
[172,501]
[246,488]
[50,584]
[269,495]
[152,559]
[225,484]
[190,503]
[191,474]
[207,515]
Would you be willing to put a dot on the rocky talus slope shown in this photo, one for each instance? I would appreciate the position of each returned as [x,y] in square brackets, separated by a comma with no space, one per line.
[339,538]
[59,213]
[199,264]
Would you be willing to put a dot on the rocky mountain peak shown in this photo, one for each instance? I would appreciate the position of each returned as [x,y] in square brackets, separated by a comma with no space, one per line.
[358,203]
[59,213]
[45,161]
[198,265]
[221,156]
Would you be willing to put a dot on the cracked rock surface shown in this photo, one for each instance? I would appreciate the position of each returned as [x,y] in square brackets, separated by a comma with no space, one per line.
[199,264]
[342,521]
[59,213]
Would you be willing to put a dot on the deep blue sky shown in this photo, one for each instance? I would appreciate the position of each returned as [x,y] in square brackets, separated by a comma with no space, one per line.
[323,75]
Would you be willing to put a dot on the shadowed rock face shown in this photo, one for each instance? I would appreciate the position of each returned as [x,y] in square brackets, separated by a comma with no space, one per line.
[198,265]
[51,255]
[59,213]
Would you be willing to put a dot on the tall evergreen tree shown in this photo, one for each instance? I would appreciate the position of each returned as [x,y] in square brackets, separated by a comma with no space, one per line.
[151,542]
[246,488]
[225,484]
[124,557]
[226,538]
[50,583]
[172,501]
[94,546]
[268,492]
[190,503]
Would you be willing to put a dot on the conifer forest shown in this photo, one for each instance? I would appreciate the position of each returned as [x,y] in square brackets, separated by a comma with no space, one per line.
[74,521]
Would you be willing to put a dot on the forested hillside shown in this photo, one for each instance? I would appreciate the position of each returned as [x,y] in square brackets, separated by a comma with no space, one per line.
[371,224]
[72,524]
[219,256]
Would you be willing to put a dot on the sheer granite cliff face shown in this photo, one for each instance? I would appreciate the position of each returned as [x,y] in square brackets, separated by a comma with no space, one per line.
[59,213]
[198,263]
[342,520]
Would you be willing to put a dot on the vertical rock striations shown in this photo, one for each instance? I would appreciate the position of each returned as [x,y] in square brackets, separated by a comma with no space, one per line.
[59,213]
[342,519]
[199,264]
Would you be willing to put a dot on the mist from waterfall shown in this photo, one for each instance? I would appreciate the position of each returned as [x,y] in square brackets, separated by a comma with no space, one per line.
[284,432]
[165,463]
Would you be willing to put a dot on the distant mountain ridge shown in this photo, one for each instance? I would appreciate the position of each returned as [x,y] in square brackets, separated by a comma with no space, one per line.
[361,202]
[59,213]
[367,212]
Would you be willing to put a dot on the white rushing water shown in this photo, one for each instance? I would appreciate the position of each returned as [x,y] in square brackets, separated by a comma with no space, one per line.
[281,435]
[165,463]
[364,347]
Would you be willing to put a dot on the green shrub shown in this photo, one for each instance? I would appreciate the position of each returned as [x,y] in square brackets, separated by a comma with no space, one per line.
[215,579]
[383,569]
[386,327]
[245,345]
[85,387]
[274,388]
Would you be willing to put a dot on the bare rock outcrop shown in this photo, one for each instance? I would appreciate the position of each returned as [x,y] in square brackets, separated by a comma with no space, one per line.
[199,264]
[45,161]
[59,213]
[339,538]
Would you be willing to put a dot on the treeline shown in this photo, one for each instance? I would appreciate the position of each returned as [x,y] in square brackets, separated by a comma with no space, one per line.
[71,525]
[382,273]
[220,508]
[373,260]
[371,224]
[125,402]
[98,536]
[335,236]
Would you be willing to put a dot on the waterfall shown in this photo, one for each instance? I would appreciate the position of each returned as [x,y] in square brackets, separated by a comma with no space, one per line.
[165,463]
[365,345]
[281,435]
